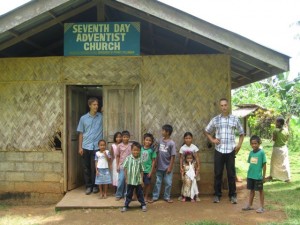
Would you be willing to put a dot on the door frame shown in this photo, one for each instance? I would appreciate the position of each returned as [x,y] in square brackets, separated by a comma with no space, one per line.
[65,123]
[65,140]
[65,144]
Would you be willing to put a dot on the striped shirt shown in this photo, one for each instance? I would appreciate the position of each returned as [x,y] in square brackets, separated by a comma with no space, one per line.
[134,168]
[224,128]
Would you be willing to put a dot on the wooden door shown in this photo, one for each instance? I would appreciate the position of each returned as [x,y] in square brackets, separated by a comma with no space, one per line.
[76,107]
[121,111]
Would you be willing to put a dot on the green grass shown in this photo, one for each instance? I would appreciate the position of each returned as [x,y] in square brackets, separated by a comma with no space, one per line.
[242,156]
[278,195]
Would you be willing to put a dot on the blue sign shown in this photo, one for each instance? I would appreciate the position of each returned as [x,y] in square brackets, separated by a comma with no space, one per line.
[95,39]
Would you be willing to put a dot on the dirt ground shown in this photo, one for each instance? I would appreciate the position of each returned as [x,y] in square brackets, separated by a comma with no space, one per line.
[158,213]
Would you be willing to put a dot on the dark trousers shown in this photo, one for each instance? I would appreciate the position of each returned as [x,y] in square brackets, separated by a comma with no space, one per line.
[139,194]
[89,171]
[229,161]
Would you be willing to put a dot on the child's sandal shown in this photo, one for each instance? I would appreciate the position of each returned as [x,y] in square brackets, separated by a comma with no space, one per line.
[247,208]
[260,210]
[152,200]
[169,200]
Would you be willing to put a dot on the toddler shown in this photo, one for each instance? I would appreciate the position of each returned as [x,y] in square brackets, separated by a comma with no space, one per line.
[102,160]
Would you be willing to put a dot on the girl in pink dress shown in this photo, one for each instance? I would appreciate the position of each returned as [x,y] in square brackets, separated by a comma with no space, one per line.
[117,140]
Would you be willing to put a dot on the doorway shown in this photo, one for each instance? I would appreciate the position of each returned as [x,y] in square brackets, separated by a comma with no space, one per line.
[77,97]
[121,111]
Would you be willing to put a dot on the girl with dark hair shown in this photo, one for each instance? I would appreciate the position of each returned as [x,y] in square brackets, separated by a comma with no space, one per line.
[189,185]
[113,151]
[188,146]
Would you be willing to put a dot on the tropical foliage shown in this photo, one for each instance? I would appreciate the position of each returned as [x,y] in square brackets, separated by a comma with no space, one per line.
[276,93]
[281,96]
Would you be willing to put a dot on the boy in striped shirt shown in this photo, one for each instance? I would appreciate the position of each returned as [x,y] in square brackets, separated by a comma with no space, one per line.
[133,168]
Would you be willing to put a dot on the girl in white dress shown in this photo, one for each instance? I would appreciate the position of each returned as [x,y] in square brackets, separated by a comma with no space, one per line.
[188,146]
[102,162]
[189,185]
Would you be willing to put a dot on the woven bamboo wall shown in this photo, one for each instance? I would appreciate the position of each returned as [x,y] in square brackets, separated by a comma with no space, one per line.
[180,90]
[184,91]
[32,94]
[101,70]
[31,103]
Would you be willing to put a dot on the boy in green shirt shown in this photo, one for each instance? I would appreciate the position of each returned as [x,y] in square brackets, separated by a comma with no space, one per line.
[133,169]
[148,156]
[256,173]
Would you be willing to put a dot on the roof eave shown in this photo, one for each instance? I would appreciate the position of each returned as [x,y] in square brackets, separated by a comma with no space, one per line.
[27,12]
[233,44]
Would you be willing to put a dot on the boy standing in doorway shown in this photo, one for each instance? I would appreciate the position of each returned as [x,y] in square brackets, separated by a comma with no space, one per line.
[90,132]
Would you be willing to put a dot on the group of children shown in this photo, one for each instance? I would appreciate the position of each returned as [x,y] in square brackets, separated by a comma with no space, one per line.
[132,166]
[128,166]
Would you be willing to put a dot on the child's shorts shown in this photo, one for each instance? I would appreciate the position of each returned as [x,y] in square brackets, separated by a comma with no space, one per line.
[103,176]
[253,184]
[146,179]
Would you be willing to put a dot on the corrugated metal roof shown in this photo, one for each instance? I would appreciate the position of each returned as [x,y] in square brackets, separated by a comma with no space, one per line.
[243,112]
[36,29]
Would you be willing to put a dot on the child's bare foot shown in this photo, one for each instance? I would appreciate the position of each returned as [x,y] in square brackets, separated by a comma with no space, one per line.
[183,199]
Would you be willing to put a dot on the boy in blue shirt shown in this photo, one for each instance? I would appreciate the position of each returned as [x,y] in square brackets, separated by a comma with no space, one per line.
[165,161]
[256,173]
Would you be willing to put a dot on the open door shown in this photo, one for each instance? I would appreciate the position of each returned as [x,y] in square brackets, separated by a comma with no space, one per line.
[76,107]
[121,111]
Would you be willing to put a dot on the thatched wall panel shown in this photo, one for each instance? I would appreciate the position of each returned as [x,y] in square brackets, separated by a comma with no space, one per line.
[31,115]
[184,92]
[101,70]
[30,69]
[180,90]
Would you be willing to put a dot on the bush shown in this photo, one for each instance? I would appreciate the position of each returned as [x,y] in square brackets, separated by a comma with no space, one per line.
[262,123]
[294,129]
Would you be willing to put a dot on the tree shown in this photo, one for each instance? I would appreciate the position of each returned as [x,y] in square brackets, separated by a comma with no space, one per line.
[279,95]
